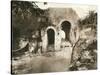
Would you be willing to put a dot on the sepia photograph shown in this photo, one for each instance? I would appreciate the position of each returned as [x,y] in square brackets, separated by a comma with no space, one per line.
[53,37]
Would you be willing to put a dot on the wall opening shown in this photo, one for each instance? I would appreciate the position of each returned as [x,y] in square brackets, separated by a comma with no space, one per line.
[51,36]
[66,26]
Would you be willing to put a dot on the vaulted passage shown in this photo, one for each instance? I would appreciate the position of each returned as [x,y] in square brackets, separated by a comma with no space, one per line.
[66,26]
[51,36]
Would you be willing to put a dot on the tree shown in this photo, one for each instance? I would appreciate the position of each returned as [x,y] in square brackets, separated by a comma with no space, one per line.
[89,21]
[26,18]
[83,52]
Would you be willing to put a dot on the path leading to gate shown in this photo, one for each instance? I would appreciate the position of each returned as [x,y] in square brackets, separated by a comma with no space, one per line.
[40,64]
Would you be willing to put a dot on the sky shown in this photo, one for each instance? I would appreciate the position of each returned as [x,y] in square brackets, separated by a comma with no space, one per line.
[81,10]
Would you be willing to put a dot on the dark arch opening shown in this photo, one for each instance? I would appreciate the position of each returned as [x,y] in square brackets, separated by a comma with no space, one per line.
[66,26]
[51,36]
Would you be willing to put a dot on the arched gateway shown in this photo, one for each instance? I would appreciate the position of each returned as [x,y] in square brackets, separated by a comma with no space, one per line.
[66,27]
[51,36]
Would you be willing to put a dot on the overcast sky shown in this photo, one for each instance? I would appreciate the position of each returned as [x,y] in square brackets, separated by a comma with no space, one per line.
[82,10]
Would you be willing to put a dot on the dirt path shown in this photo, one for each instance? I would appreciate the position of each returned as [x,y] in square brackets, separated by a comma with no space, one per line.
[40,64]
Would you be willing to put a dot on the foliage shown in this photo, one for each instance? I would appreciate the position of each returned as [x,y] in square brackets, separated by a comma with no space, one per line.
[89,21]
[27,17]
[87,58]
[85,51]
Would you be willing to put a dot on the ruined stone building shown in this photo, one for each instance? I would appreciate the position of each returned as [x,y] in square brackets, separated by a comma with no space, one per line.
[65,27]
[62,34]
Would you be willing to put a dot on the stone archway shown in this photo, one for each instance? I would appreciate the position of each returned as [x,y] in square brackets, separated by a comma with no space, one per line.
[51,36]
[66,27]
[51,39]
